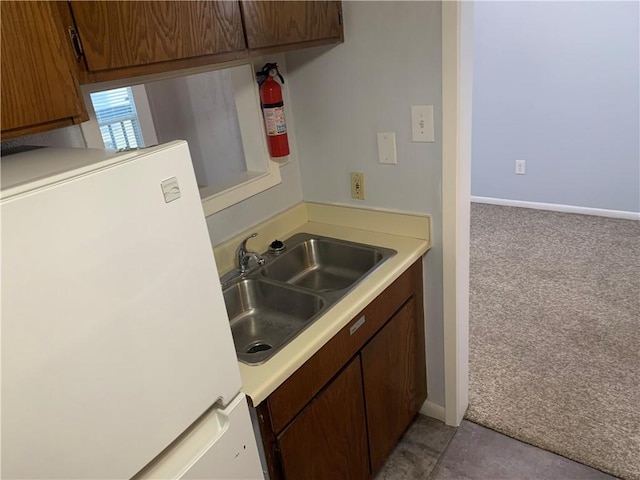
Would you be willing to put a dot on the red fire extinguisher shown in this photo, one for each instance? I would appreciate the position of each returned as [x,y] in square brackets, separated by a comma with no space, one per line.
[273,110]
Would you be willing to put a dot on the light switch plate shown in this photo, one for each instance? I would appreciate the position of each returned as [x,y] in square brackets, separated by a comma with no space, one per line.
[422,123]
[387,148]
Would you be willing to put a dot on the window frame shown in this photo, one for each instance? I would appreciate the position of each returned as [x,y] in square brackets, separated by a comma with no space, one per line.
[262,171]
[91,128]
[134,118]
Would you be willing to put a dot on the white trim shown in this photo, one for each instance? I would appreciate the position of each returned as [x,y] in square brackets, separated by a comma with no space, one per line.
[554,207]
[262,171]
[457,64]
[90,128]
[433,410]
[242,186]
[254,136]
[145,118]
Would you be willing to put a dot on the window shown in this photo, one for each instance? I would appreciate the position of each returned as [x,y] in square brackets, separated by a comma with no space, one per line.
[120,118]
[117,118]
[216,112]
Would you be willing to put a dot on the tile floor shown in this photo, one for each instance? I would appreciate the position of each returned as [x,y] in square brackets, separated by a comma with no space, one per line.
[418,451]
[434,451]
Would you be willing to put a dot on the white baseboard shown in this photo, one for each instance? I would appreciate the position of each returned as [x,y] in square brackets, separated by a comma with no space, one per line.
[600,212]
[433,410]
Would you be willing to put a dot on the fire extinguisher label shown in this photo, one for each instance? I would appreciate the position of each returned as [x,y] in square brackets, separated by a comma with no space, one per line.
[274,121]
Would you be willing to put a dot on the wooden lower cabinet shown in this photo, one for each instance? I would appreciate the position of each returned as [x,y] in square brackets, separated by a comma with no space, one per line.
[342,412]
[393,368]
[328,439]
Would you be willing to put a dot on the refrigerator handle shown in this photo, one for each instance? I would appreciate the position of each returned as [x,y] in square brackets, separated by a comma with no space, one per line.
[196,440]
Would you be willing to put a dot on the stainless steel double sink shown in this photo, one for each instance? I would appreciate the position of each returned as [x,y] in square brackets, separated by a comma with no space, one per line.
[274,303]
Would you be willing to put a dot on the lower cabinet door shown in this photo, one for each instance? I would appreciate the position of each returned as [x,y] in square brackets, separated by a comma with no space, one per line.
[327,440]
[394,381]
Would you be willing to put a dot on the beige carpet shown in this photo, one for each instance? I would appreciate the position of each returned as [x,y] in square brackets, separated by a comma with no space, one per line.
[555,333]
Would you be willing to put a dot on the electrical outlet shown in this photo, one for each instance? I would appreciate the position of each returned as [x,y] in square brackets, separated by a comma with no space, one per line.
[520,167]
[357,185]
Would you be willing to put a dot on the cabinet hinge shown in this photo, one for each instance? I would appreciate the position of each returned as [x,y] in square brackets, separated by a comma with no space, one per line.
[340,17]
[75,41]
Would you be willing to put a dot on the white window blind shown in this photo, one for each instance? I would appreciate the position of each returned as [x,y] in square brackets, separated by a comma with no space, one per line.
[117,118]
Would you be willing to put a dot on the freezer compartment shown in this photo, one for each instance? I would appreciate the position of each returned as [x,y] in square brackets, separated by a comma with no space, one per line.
[220,445]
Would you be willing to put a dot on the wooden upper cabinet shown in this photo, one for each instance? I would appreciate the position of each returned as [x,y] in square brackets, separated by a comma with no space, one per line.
[39,89]
[128,35]
[125,39]
[272,26]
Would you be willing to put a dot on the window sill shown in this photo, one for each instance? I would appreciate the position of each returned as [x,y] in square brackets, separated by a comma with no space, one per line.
[244,185]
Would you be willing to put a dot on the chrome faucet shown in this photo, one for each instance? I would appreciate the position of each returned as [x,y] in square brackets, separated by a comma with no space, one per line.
[243,256]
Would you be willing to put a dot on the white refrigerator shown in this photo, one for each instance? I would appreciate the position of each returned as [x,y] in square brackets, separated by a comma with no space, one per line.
[117,355]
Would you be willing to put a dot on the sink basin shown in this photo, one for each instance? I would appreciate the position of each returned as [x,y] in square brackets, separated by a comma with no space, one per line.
[271,305]
[324,265]
[265,316]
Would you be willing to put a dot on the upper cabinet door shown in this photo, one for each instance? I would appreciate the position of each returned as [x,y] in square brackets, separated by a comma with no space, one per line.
[134,33]
[277,24]
[39,90]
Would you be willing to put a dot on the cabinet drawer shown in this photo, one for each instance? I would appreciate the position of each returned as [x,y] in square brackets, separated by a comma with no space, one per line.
[309,379]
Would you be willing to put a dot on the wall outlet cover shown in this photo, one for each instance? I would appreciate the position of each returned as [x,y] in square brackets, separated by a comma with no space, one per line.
[357,185]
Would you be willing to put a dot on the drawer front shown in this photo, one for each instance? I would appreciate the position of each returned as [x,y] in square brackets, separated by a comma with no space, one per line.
[309,379]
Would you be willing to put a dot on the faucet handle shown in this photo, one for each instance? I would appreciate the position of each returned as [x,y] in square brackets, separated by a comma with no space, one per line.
[243,256]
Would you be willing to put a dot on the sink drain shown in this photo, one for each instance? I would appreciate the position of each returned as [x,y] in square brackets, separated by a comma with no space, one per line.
[259,347]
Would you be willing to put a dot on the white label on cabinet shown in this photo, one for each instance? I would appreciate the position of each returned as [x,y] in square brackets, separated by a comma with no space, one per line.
[357,325]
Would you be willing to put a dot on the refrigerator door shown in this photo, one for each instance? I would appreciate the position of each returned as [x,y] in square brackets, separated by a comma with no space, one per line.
[220,446]
[115,336]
